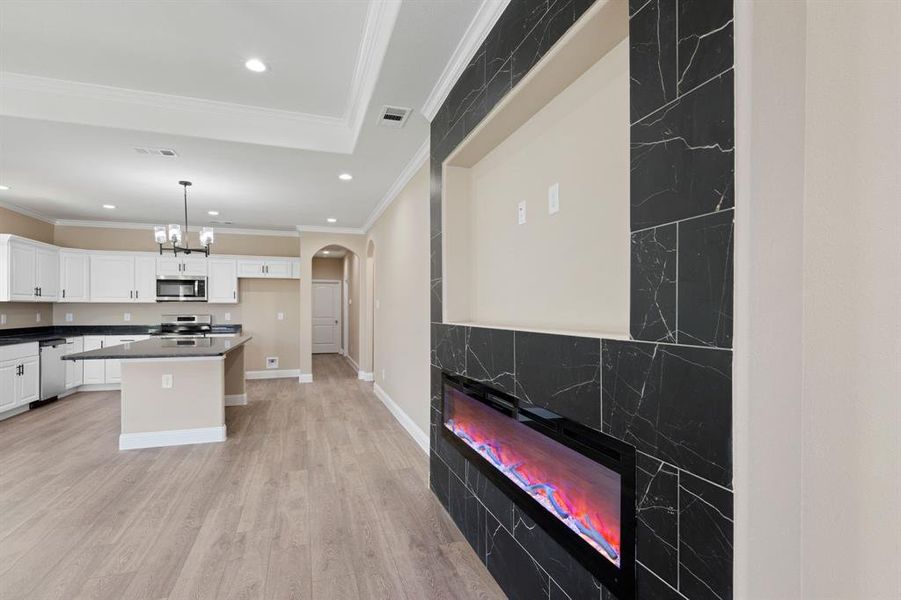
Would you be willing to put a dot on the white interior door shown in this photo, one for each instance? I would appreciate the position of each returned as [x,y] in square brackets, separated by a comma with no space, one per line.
[326,317]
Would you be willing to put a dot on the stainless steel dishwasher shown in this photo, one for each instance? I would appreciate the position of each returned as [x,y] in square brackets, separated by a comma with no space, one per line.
[53,369]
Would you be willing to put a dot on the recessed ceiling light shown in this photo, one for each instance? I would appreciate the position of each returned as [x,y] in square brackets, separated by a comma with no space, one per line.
[213,213]
[4,187]
[345,176]
[325,251]
[332,220]
[109,206]
[255,65]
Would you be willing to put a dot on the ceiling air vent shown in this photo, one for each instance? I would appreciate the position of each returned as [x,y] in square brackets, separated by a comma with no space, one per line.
[394,116]
[167,152]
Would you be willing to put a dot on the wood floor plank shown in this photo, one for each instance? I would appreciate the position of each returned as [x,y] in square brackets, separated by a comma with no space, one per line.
[317,493]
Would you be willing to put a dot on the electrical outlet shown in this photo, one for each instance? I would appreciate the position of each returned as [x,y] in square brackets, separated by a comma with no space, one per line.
[69,317]
[2,319]
[280,316]
[228,316]
[378,304]
[521,213]
[271,362]
[553,199]
[126,317]
[167,381]
[37,317]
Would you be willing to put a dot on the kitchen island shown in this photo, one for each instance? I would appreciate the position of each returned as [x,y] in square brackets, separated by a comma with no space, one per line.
[174,390]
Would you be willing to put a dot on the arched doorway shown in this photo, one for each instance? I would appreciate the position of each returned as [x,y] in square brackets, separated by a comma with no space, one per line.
[334,290]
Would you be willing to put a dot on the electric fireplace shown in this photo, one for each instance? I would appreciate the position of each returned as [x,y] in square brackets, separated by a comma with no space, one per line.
[576,483]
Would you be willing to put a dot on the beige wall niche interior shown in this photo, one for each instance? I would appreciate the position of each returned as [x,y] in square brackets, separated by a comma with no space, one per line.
[566,123]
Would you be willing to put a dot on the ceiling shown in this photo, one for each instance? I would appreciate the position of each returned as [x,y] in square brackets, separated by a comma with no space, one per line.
[83,83]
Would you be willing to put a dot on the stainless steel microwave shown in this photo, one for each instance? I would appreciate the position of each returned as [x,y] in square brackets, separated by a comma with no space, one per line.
[180,288]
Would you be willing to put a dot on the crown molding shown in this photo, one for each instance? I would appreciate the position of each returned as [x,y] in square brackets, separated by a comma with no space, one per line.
[381,17]
[27,212]
[326,229]
[132,225]
[479,28]
[403,178]
[35,97]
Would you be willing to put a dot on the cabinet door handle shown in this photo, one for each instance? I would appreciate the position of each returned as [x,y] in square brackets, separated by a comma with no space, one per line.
[40,292]
[234,294]
[131,293]
[64,293]
[136,294]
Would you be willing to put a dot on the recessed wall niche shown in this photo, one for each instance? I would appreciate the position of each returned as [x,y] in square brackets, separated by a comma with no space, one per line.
[565,123]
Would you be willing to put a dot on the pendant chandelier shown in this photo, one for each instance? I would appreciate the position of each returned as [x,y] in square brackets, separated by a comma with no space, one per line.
[173,234]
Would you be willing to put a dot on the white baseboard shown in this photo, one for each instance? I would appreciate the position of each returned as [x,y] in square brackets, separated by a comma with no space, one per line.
[352,362]
[13,412]
[236,400]
[418,435]
[98,387]
[174,437]
[272,374]
[305,378]
[364,376]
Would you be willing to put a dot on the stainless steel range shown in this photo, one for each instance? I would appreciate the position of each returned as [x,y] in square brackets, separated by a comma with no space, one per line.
[186,326]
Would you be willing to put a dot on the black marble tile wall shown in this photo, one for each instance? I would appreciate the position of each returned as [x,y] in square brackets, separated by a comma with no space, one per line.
[652,308]
[668,391]
[672,402]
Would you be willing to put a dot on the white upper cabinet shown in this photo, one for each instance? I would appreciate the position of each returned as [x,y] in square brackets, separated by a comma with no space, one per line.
[29,270]
[266,268]
[73,276]
[47,273]
[112,278]
[192,266]
[222,285]
[145,278]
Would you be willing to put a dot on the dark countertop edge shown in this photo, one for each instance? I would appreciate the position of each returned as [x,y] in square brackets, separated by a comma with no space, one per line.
[161,353]
[27,335]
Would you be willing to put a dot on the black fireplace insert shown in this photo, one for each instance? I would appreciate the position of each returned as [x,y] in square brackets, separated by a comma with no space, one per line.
[576,483]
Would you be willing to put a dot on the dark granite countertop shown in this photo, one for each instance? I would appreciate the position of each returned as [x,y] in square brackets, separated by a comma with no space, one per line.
[157,347]
[25,335]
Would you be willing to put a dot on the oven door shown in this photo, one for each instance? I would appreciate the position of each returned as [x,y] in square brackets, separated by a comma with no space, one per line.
[174,288]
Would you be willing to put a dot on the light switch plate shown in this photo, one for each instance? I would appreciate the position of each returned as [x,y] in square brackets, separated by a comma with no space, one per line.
[521,213]
[271,362]
[228,316]
[69,317]
[126,317]
[37,317]
[553,199]
[280,316]
[167,381]
[3,319]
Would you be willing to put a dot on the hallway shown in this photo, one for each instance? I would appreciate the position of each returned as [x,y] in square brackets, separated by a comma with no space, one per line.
[317,493]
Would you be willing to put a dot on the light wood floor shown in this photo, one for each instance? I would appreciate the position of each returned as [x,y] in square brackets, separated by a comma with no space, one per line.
[317,493]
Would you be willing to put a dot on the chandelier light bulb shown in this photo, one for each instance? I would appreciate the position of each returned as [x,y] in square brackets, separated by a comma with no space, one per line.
[175,233]
[159,234]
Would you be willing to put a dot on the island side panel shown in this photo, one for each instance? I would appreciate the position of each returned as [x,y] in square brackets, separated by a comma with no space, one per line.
[196,399]
[235,392]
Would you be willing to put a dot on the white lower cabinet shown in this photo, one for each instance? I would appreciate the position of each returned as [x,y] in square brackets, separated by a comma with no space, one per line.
[20,381]
[74,368]
[113,367]
[94,370]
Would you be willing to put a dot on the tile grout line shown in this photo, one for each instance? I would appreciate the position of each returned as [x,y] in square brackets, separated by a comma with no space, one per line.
[678,98]
[683,219]
[676,332]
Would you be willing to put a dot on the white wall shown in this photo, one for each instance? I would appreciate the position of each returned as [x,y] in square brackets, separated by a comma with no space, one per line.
[818,282]
[852,295]
[401,238]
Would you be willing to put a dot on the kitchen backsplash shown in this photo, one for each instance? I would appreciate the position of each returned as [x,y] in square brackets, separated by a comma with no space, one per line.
[23,314]
[141,314]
